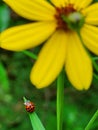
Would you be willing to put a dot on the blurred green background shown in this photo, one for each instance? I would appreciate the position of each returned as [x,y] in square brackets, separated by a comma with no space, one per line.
[15,68]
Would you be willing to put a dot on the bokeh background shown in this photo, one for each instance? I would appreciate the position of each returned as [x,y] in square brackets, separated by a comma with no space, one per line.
[15,68]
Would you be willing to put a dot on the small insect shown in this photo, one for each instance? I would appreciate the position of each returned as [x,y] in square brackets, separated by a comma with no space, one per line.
[29,106]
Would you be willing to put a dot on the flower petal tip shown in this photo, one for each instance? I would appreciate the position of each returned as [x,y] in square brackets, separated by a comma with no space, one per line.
[35,82]
[82,88]
[38,86]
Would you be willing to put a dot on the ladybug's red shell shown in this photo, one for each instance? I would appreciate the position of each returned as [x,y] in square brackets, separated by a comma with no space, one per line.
[30,107]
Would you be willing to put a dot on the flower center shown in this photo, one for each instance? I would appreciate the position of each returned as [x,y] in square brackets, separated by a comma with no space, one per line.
[69,18]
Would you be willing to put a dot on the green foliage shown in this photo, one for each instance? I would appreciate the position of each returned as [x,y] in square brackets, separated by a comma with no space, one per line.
[4,79]
[95,0]
[35,121]
[4,17]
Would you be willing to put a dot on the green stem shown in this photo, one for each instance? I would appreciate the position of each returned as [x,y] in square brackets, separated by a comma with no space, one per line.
[60,100]
[96,76]
[30,54]
[95,58]
[88,127]
[95,64]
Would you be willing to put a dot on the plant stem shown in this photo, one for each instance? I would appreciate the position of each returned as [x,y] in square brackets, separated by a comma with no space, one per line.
[30,54]
[60,100]
[88,127]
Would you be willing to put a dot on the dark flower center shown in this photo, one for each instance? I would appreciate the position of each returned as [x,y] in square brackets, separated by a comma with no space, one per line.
[68,17]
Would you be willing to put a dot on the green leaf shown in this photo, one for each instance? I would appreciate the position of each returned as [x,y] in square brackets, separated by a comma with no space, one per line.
[4,82]
[30,54]
[95,0]
[96,76]
[94,59]
[35,121]
[4,17]
[90,124]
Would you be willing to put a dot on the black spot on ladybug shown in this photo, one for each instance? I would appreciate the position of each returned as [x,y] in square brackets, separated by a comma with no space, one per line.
[29,106]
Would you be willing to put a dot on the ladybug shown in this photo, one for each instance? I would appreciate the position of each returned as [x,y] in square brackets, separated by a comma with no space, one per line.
[29,106]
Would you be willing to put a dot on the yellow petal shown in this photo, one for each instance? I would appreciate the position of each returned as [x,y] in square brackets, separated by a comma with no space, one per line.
[91,14]
[78,64]
[26,36]
[50,61]
[32,9]
[59,3]
[80,4]
[89,35]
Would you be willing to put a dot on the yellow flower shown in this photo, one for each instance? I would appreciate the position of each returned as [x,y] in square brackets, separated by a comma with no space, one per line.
[63,47]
